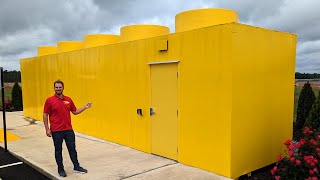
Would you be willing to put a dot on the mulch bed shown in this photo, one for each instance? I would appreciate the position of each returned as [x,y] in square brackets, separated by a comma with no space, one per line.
[260,174]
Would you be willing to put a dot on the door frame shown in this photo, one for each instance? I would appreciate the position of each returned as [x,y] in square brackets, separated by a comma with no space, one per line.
[150,103]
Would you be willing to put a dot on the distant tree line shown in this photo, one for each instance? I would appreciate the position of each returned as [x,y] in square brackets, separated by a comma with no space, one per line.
[307,76]
[11,76]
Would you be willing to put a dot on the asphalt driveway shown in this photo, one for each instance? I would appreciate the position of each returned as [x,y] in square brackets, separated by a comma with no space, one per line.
[12,168]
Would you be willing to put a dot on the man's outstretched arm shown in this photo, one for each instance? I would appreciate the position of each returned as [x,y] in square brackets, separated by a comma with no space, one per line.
[80,110]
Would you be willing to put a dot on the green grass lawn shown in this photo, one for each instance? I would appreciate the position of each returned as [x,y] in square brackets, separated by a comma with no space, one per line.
[7,92]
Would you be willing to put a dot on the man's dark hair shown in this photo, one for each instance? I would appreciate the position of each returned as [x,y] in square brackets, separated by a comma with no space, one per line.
[59,82]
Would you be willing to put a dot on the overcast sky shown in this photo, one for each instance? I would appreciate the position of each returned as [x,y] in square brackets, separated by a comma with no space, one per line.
[27,24]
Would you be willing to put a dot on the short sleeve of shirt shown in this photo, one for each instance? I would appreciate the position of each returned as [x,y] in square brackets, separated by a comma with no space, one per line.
[46,108]
[72,106]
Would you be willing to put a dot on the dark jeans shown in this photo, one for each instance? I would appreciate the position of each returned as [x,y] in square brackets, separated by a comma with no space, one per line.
[69,138]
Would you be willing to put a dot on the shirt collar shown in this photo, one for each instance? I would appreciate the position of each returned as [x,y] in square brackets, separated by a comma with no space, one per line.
[58,96]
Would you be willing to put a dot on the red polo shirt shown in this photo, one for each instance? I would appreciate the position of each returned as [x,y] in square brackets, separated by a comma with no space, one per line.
[59,112]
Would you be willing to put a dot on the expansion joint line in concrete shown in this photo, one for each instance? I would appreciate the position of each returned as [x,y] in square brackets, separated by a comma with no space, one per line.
[149,170]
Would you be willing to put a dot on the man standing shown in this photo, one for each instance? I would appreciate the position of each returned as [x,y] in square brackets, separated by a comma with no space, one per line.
[57,108]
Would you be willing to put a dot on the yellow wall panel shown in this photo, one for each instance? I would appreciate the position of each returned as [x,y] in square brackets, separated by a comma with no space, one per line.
[235,93]
[262,107]
[205,101]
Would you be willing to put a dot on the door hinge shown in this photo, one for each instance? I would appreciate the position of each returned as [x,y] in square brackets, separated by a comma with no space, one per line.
[177,112]
[177,74]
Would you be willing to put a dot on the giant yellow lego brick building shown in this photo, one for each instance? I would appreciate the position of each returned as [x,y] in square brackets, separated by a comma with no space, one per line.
[216,94]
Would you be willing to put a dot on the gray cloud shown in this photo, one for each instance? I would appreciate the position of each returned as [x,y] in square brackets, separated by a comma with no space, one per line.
[308,47]
[250,11]
[308,54]
[308,63]
[24,25]
[300,17]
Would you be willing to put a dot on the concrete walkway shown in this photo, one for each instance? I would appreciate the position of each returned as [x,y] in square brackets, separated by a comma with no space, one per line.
[103,159]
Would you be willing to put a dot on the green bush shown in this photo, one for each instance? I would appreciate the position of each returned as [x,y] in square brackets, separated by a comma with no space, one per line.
[313,121]
[305,102]
[17,97]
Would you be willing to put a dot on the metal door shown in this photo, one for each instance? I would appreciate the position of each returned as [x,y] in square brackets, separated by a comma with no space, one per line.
[164,110]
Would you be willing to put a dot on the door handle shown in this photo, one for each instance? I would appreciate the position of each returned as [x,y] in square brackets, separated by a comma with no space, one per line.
[152,112]
[139,112]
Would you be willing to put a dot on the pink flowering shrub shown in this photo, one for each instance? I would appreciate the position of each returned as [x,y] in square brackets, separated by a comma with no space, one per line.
[302,158]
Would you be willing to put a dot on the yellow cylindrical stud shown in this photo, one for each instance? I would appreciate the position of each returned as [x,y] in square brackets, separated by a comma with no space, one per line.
[135,32]
[65,46]
[199,18]
[94,40]
[46,50]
